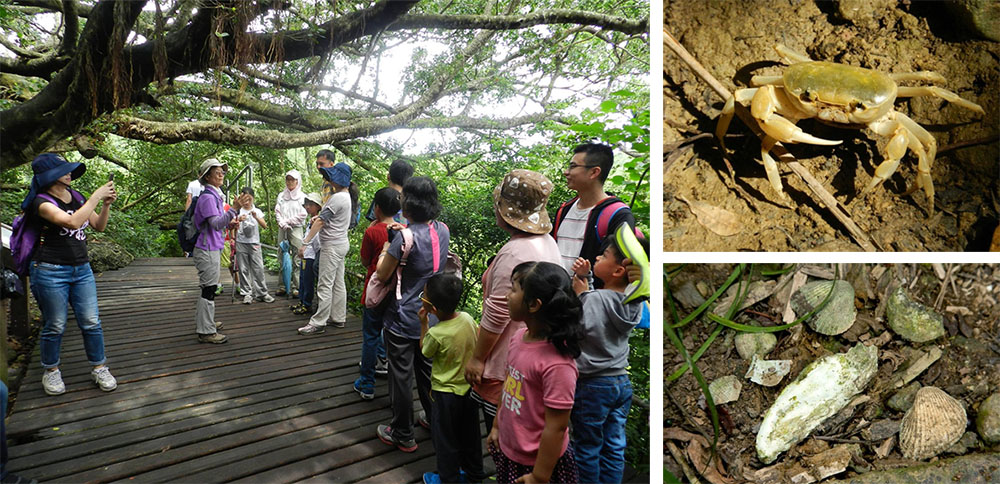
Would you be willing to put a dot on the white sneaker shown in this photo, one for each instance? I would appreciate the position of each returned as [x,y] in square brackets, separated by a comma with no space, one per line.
[267,298]
[52,382]
[248,299]
[102,377]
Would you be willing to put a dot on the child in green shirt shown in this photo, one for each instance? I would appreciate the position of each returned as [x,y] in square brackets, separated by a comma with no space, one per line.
[454,416]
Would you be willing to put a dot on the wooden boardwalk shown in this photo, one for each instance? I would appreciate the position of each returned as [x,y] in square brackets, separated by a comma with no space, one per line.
[268,406]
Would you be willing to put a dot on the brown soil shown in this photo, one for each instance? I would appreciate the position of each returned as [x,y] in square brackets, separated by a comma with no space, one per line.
[735,39]
[967,370]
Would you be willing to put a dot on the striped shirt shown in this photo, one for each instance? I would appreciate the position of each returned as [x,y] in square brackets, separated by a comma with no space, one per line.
[571,233]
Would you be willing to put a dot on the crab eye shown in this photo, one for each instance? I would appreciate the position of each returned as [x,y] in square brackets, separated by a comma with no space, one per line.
[858,106]
[807,96]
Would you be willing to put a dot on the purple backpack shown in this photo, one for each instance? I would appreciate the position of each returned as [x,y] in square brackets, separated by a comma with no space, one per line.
[25,232]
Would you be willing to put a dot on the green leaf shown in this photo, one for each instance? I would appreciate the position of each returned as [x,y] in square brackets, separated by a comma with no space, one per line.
[609,105]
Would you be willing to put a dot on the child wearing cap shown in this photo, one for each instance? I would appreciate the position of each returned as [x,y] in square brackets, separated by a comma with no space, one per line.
[307,281]
[603,389]
[331,228]
[248,255]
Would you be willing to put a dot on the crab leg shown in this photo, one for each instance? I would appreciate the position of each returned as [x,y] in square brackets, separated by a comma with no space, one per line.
[941,93]
[924,166]
[764,80]
[741,95]
[764,107]
[770,166]
[905,134]
[791,55]
[926,76]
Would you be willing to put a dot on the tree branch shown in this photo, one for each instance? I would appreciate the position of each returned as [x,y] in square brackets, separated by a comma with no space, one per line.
[509,22]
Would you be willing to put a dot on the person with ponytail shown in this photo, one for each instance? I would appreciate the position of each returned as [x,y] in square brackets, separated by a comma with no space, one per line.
[529,440]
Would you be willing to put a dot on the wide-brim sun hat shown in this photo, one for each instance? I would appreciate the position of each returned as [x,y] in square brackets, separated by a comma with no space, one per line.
[314,197]
[47,169]
[339,174]
[208,165]
[520,200]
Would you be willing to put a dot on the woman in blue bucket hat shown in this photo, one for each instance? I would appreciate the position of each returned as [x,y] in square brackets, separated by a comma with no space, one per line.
[60,268]
[331,228]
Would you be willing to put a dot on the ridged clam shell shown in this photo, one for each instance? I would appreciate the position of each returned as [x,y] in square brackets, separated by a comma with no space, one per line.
[822,389]
[839,313]
[912,320]
[725,389]
[934,422]
[749,344]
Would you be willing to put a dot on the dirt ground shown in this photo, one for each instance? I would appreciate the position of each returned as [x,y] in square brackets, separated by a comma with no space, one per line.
[966,296]
[735,39]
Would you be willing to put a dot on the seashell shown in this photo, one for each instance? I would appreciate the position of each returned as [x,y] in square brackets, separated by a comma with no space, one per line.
[767,372]
[749,344]
[725,389]
[823,388]
[988,420]
[912,320]
[931,425]
[839,313]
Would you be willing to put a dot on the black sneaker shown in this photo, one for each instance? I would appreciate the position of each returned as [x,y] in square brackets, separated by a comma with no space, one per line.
[385,435]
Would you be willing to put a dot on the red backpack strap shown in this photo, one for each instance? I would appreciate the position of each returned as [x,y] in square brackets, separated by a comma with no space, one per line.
[435,246]
[605,216]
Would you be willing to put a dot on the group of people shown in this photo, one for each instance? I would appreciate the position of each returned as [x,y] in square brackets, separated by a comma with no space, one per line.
[550,351]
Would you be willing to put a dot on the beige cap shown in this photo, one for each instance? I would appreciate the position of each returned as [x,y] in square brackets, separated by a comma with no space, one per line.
[208,164]
[520,200]
[315,197]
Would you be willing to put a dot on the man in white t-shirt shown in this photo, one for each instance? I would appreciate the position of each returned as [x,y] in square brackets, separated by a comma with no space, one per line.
[193,190]
[578,226]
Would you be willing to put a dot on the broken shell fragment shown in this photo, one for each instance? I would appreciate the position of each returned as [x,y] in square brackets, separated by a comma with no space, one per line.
[931,425]
[767,372]
[912,320]
[725,389]
[749,344]
[836,316]
[822,389]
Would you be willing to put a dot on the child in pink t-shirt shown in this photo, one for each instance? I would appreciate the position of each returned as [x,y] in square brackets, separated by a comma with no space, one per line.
[530,439]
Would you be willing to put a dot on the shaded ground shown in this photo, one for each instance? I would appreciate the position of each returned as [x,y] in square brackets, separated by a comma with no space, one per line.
[967,369]
[735,39]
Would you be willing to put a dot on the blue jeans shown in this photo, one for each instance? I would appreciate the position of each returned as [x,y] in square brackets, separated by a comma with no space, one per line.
[55,288]
[371,345]
[307,282]
[600,407]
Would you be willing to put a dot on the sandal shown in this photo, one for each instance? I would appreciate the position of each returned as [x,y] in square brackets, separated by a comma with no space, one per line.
[293,307]
[301,310]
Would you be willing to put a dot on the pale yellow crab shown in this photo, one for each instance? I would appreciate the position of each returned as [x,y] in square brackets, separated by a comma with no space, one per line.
[843,96]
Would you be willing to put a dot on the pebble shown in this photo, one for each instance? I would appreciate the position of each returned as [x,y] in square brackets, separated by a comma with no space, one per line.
[902,400]
[988,419]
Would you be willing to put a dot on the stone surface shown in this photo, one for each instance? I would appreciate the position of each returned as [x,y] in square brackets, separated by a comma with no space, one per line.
[903,399]
[981,17]
[749,344]
[988,419]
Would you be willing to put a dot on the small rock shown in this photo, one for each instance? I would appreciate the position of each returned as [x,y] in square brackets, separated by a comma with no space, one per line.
[902,400]
[967,442]
[882,429]
[988,420]
[749,344]
[725,389]
[912,320]
[688,295]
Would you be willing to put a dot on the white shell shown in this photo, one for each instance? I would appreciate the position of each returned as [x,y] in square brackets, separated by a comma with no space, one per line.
[822,389]
[932,424]
[767,372]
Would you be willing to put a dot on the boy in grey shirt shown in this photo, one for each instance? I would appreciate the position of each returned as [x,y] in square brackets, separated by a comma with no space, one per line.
[603,390]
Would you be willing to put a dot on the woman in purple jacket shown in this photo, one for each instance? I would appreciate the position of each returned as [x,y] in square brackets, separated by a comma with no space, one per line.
[211,222]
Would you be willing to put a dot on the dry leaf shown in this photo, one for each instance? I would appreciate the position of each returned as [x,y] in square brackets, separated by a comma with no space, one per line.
[700,456]
[718,220]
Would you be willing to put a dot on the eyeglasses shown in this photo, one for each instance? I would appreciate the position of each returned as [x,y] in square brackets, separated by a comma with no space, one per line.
[574,165]
[422,298]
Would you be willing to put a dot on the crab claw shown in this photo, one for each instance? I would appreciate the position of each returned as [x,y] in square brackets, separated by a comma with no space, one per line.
[785,131]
